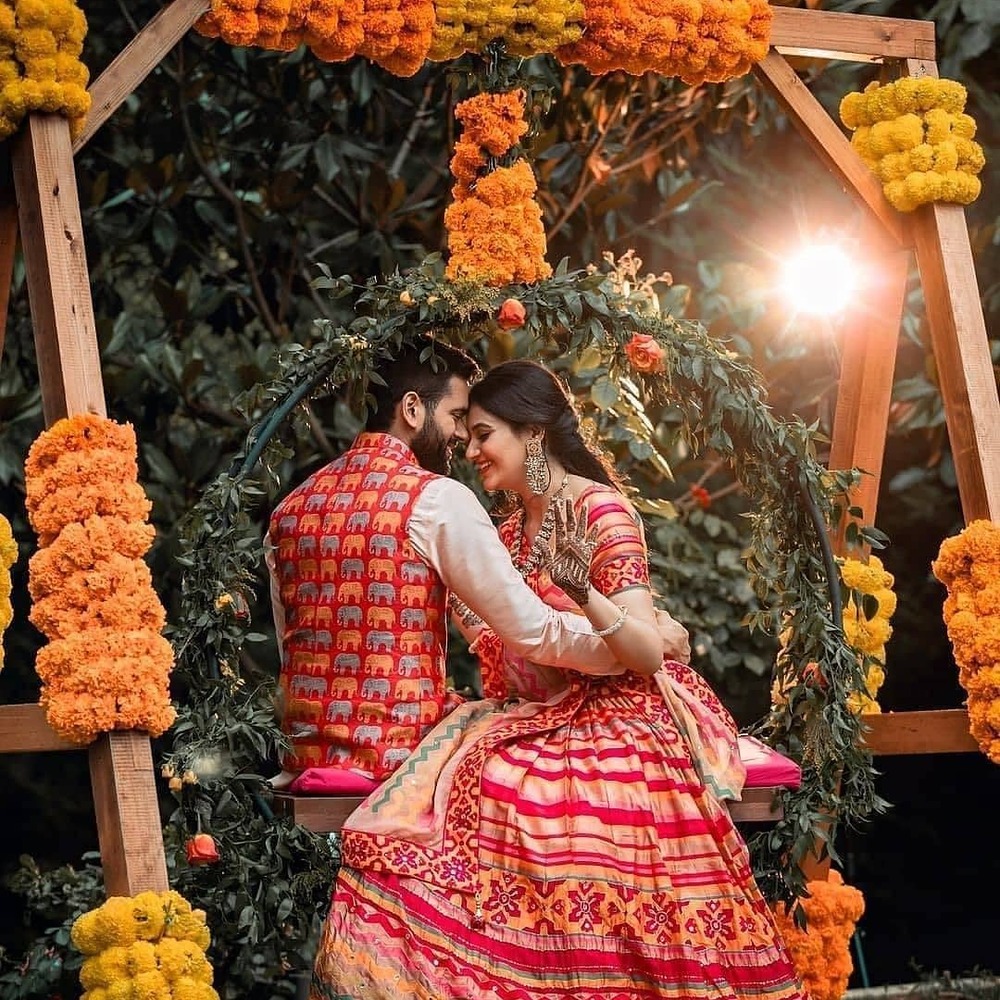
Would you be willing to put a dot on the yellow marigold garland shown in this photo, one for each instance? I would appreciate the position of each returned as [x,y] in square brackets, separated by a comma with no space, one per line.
[914,135]
[868,635]
[495,231]
[8,556]
[527,27]
[40,69]
[821,953]
[147,947]
[969,566]
[706,41]
[106,665]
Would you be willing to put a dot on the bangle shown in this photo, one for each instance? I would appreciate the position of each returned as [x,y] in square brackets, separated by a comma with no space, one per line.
[463,612]
[603,633]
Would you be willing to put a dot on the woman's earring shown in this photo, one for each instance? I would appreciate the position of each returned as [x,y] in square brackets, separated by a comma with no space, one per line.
[536,468]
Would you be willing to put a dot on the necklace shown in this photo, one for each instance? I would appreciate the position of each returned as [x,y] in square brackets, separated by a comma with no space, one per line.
[540,546]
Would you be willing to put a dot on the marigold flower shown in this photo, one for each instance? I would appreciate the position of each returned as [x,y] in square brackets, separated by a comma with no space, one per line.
[645,354]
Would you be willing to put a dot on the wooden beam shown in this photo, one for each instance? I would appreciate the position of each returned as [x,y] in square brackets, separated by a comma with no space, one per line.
[961,348]
[23,729]
[854,37]
[830,143]
[868,360]
[69,363]
[136,61]
[129,826]
[8,240]
[937,731]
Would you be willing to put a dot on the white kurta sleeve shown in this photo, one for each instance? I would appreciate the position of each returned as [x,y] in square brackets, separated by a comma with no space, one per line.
[450,530]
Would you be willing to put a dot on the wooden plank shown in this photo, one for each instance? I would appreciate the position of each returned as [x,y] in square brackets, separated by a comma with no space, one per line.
[23,729]
[136,61]
[8,241]
[961,348]
[758,805]
[128,817]
[936,731]
[69,364]
[854,37]
[830,143]
[868,360]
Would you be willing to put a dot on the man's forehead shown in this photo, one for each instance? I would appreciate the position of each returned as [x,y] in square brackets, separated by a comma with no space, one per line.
[457,395]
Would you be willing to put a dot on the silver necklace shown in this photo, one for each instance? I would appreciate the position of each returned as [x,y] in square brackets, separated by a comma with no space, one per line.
[540,546]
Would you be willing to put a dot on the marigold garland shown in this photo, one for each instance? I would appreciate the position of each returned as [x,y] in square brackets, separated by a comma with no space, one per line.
[868,635]
[106,665]
[147,947]
[969,566]
[914,135]
[821,953]
[709,41]
[40,69]
[495,230]
[8,556]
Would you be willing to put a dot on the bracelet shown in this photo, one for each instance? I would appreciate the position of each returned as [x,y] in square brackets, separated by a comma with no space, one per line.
[603,633]
[465,614]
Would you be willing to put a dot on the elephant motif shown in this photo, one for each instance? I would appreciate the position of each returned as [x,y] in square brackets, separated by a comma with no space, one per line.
[307,591]
[415,571]
[375,480]
[308,569]
[382,545]
[381,569]
[349,614]
[343,501]
[316,501]
[328,591]
[350,593]
[382,462]
[310,523]
[354,545]
[375,687]
[332,524]
[289,522]
[328,568]
[394,756]
[409,665]
[428,689]
[412,594]
[407,689]
[368,736]
[286,547]
[404,481]
[344,687]
[394,500]
[379,592]
[338,711]
[337,734]
[381,617]
[324,613]
[387,521]
[400,735]
[338,755]
[305,616]
[349,639]
[309,661]
[430,712]
[323,639]
[411,642]
[329,545]
[306,545]
[406,711]
[308,711]
[367,499]
[358,520]
[373,711]
[310,756]
[365,760]
[413,618]
[379,664]
[358,461]
[348,663]
[313,687]
[353,569]
[351,481]
[292,503]
[380,640]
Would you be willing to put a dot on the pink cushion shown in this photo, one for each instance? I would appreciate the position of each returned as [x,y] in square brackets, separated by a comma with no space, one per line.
[766,767]
[331,781]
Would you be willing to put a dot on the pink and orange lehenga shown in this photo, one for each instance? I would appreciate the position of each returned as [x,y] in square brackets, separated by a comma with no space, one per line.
[572,846]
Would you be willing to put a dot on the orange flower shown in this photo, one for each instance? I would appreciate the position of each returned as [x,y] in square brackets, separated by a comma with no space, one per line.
[645,354]
[701,497]
[201,850]
[511,315]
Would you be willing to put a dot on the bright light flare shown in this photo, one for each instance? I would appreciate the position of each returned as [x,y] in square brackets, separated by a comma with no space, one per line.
[820,280]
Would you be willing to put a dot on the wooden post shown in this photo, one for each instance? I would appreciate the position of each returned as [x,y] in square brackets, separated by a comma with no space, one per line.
[8,242]
[121,767]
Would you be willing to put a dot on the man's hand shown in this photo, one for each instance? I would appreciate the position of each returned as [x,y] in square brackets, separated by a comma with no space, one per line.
[569,560]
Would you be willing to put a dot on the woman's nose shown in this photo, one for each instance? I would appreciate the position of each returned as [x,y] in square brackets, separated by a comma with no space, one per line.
[471,449]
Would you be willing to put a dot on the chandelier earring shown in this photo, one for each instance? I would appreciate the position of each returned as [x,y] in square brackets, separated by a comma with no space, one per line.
[536,468]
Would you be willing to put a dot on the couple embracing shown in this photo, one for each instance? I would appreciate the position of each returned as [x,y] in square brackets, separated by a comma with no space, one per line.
[565,837]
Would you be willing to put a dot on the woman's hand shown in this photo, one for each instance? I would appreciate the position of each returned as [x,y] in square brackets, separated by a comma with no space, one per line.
[572,549]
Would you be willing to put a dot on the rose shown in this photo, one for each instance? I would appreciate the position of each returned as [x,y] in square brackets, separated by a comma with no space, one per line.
[644,353]
[511,315]
[201,850]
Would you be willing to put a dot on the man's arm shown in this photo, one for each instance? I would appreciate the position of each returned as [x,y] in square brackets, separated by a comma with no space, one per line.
[452,532]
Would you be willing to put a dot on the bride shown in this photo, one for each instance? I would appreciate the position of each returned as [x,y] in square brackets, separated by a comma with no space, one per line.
[566,837]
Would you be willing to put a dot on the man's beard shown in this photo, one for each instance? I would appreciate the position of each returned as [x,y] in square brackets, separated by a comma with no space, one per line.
[431,448]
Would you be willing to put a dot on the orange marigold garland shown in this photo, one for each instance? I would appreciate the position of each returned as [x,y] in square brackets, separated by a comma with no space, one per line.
[8,556]
[495,231]
[106,665]
[821,953]
[398,34]
[969,566]
[708,41]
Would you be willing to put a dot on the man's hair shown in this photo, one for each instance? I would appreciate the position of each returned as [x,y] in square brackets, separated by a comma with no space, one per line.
[407,373]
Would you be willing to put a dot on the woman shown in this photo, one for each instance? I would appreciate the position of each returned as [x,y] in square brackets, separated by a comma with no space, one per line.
[570,841]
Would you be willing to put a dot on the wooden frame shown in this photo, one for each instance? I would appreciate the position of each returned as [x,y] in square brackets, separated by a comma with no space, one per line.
[43,203]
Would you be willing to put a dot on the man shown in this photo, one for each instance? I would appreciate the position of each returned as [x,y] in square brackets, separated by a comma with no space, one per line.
[366,552]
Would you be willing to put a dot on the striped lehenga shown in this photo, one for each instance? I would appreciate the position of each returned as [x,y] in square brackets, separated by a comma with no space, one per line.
[572,846]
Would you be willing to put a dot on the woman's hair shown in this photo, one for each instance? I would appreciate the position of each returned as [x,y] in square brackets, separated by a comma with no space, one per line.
[522,393]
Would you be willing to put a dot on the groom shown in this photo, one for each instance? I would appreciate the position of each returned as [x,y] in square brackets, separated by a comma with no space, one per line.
[365,554]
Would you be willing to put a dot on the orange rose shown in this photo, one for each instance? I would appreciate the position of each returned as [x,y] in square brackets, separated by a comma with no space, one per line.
[644,353]
[511,315]
[201,850]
